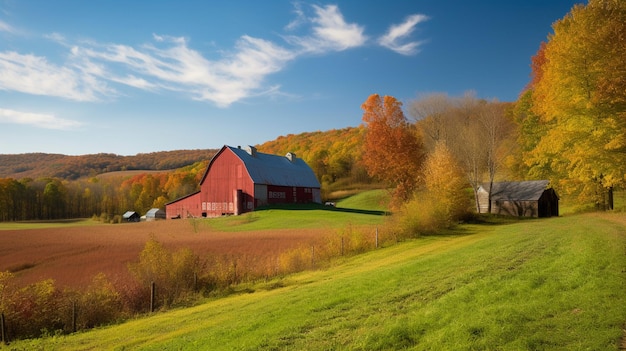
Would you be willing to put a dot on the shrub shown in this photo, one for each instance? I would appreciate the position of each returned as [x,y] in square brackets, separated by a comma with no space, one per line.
[172,273]
[99,304]
[33,310]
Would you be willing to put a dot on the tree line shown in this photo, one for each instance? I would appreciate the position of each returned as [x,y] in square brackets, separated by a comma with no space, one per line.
[106,197]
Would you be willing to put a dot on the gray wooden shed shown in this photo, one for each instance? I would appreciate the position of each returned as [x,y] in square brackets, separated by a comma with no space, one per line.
[131,216]
[534,198]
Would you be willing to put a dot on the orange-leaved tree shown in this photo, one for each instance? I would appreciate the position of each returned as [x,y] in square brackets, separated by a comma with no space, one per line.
[393,151]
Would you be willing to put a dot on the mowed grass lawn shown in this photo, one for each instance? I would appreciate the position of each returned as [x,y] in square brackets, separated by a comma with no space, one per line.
[551,284]
[363,209]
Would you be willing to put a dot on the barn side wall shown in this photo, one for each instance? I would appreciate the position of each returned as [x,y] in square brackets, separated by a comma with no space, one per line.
[219,189]
[187,207]
[519,208]
[289,194]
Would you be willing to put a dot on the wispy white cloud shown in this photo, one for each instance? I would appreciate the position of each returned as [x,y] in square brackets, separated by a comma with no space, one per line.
[57,37]
[5,27]
[173,66]
[300,17]
[397,32]
[330,32]
[35,75]
[95,71]
[37,120]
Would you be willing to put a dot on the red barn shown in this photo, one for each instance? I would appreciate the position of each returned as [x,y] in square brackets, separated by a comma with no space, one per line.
[240,180]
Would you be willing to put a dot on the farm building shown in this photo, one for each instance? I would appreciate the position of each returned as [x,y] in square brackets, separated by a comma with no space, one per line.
[239,180]
[154,214]
[523,199]
[131,216]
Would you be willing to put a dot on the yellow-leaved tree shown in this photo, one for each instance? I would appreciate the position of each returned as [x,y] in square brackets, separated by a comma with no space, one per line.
[445,181]
[580,97]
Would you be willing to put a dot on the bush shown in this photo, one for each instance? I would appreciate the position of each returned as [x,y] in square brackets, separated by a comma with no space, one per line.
[31,310]
[172,273]
[99,305]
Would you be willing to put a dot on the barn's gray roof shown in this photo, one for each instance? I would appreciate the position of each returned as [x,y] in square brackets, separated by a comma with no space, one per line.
[530,190]
[153,212]
[276,170]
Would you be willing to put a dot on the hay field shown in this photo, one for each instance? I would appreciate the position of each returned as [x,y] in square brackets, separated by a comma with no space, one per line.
[72,256]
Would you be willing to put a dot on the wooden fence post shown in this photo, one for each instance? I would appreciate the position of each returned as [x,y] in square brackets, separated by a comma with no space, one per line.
[3,329]
[312,256]
[74,316]
[152,296]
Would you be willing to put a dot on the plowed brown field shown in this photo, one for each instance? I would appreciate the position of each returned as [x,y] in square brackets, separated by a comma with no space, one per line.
[73,256]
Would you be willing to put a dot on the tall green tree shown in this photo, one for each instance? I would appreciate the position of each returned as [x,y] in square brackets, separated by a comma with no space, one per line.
[581,99]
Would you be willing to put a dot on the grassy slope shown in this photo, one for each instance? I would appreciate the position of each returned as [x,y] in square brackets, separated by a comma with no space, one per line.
[366,208]
[538,284]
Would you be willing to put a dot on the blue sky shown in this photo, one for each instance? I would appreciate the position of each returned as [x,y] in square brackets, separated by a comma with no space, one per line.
[127,77]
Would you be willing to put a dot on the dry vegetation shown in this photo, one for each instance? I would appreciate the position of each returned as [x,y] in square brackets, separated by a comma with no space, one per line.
[73,256]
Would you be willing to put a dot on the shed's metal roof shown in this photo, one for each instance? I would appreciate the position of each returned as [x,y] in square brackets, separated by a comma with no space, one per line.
[527,190]
[154,211]
[276,170]
[129,214]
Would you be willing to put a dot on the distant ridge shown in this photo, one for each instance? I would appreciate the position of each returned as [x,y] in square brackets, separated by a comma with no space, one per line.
[43,165]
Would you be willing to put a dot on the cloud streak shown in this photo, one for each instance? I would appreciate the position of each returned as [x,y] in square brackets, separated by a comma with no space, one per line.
[37,120]
[397,32]
[5,27]
[35,75]
[96,72]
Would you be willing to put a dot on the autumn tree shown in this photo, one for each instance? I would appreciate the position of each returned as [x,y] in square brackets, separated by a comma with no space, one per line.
[495,128]
[393,152]
[433,112]
[445,179]
[477,132]
[581,100]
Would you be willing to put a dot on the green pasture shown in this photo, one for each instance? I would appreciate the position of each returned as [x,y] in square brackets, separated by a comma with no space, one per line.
[550,284]
[367,208]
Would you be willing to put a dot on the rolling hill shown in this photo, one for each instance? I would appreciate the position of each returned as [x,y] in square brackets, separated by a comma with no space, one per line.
[42,165]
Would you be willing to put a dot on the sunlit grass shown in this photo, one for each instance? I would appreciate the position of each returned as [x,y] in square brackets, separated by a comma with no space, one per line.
[539,284]
[367,208]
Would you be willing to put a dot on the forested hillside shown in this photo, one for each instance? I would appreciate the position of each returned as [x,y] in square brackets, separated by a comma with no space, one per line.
[334,155]
[40,165]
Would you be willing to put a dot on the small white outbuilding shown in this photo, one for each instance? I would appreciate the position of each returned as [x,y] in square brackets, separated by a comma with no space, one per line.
[154,214]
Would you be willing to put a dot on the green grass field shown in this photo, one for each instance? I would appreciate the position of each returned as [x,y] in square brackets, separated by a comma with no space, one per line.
[366,208]
[553,284]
